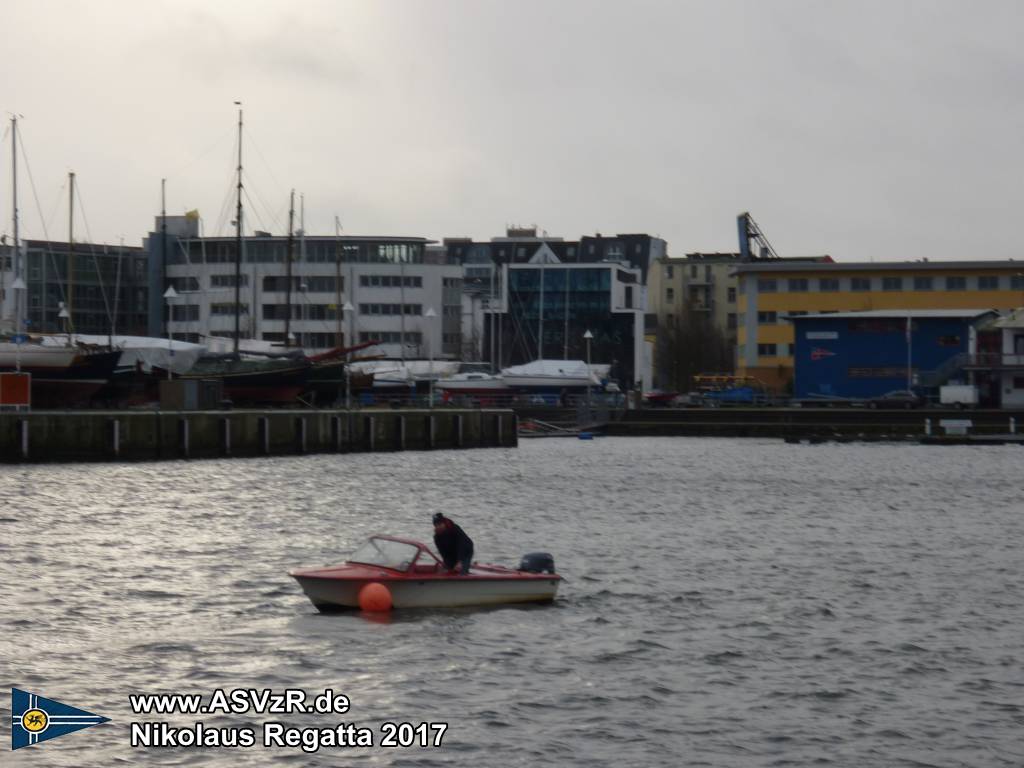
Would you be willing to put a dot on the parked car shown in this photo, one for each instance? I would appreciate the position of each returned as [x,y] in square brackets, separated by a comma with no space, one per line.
[897,398]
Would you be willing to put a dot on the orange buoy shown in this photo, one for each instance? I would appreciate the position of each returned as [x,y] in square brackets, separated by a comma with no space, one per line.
[375,597]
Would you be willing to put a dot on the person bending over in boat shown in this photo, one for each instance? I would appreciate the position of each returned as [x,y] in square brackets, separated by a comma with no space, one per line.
[454,546]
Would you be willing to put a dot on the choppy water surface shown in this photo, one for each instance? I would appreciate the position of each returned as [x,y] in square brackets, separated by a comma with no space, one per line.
[729,603]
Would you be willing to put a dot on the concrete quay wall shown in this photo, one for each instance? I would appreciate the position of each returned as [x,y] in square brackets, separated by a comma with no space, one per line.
[63,436]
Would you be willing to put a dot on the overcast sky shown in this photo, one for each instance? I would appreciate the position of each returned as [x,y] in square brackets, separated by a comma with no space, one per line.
[866,130]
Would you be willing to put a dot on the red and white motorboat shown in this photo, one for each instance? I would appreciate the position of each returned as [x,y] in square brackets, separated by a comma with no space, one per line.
[415,577]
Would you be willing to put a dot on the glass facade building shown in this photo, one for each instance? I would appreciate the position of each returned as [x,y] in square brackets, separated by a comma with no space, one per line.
[545,311]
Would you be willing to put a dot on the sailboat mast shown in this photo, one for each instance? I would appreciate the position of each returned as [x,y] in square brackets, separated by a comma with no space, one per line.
[337,282]
[163,248]
[238,234]
[15,251]
[565,329]
[71,253]
[288,272]
[540,328]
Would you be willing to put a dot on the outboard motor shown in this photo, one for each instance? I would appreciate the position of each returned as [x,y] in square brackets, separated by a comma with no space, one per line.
[537,562]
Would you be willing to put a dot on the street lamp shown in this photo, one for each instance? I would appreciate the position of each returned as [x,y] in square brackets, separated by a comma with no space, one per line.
[18,285]
[588,336]
[430,314]
[65,316]
[169,295]
[348,309]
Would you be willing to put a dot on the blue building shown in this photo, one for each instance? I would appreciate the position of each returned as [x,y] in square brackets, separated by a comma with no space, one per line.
[866,354]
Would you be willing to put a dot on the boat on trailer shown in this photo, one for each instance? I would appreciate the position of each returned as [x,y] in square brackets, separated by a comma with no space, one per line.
[417,578]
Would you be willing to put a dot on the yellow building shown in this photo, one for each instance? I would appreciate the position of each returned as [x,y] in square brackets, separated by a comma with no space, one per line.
[769,291]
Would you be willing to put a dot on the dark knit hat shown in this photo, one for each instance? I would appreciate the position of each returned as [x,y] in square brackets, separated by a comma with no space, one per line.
[438,518]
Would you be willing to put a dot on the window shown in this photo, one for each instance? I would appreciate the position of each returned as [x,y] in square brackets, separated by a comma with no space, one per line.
[184,284]
[767,318]
[693,271]
[730,295]
[922,283]
[391,337]
[791,350]
[956,283]
[670,296]
[730,321]
[988,283]
[279,312]
[668,272]
[317,340]
[766,350]
[766,286]
[390,281]
[828,284]
[860,284]
[798,285]
[1018,382]
[892,283]
[226,281]
[1017,282]
[390,309]
[321,284]
[228,309]
[188,313]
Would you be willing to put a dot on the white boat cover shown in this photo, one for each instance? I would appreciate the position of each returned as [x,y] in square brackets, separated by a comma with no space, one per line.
[557,369]
[407,370]
[149,350]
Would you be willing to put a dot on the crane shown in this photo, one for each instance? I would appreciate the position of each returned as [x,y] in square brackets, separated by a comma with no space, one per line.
[749,231]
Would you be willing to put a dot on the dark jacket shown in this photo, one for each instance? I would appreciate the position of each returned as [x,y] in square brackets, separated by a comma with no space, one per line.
[453,544]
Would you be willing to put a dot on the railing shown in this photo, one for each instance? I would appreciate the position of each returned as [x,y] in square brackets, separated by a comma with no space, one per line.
[983,361]
[944,372]
[993,361]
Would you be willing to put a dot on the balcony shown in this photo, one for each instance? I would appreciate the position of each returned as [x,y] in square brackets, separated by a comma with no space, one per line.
[704,281]
[994,362]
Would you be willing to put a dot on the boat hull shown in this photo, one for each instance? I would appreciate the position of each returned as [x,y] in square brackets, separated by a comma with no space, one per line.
[332,594]
[248,383]
[547,383]
[65,377]
[474,387]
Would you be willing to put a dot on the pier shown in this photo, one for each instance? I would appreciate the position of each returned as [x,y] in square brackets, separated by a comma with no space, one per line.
[929,425]
[66,436]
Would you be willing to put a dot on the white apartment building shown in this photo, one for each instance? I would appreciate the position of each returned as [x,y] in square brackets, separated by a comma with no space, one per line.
[344,290]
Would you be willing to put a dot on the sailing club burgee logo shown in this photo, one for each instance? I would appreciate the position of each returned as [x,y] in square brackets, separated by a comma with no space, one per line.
[35,719]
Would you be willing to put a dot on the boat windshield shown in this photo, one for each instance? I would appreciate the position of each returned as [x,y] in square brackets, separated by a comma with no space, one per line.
[396,555]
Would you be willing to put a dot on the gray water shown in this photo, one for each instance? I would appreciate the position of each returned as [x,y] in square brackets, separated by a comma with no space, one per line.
[728,603]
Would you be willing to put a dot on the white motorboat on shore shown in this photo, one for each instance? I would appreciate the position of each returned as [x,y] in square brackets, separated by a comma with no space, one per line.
[473,383]
[551,375]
